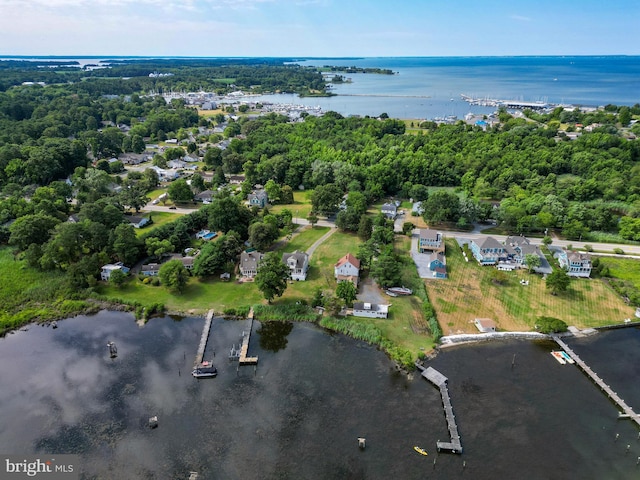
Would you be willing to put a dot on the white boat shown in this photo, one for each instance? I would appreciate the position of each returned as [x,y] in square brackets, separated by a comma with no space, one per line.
[566,356]
[400,290]
[558,356]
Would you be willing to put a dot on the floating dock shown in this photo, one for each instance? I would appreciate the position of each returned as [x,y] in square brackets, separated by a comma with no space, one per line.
[627,411]
[203,339]
[243,359]
[440,381]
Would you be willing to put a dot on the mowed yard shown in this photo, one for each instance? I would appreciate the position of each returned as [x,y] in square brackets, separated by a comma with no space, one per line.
[469,293]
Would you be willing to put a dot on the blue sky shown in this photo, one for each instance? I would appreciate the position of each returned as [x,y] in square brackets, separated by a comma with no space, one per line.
[318,27]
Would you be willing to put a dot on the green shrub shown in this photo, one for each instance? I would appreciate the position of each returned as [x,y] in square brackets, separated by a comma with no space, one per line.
[550,325]
[618,250]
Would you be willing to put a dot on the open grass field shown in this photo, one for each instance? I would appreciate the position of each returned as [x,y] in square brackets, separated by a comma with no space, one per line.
[623,268]
[28,294]
[303,240]
[159,218]
[301,206]
[469,293]
[199,295]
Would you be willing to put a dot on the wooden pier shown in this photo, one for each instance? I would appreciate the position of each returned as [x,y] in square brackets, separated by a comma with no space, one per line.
[203,339]
[440,381]
[627,411]
[244,349]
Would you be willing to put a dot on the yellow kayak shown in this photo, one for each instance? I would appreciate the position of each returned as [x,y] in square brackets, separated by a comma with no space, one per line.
[421,451]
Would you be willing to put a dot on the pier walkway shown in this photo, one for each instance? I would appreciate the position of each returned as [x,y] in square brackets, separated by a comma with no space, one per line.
[440,381]
[203,339]
[244,349]
[626,409]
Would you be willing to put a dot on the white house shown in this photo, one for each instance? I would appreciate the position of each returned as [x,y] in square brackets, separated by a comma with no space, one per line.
[577,264]
[347,269]
[107,270]
[370,310]
[298,263]
[137,221]
[150,269]
[485,325]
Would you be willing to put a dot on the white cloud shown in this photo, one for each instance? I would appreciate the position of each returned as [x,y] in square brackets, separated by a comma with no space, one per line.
[520,18]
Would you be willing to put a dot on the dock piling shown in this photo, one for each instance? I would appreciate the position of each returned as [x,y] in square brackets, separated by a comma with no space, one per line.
[628,411]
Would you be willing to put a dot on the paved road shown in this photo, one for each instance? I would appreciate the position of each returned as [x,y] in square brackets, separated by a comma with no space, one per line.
[606,248]
[319,242]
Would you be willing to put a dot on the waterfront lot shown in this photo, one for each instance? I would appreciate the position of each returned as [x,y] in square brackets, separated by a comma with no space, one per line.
[469,293]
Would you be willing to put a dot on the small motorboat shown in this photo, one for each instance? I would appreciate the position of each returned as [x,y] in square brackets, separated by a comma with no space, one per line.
[113,350]
[421,451]
[400,290]
[205,370]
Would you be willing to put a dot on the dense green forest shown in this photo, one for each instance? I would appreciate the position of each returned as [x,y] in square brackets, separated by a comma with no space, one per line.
[524,173]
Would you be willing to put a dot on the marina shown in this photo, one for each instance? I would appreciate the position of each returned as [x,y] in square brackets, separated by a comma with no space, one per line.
[627,411]
[440,381]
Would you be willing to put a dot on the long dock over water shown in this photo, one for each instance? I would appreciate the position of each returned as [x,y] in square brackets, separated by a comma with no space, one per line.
[440,381]
[626,409]
[203,339]
[244,349]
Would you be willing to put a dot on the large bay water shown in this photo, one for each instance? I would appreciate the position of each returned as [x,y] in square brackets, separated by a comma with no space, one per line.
[298,415]
[429,87]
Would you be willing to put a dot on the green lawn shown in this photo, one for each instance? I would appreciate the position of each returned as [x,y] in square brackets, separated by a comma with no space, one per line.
[303,240]
[159,218]
[469,293]
[301,206]
[623,268]
[199,295]
[27,294]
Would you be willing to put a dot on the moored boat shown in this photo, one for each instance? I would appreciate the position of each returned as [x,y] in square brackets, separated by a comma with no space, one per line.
[421,451]
[205,370]
[400,290]
[566,356]
[559,357]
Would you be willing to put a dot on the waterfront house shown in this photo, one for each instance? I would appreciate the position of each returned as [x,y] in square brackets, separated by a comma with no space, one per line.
[150,269]
[107,270]
[347,269]
[485,325]
[370,310]
[575,263]
[249,262]
[488,251]
[521,247]
[258,198]
[389,210]
[437,264]
[298,263]
[430,241]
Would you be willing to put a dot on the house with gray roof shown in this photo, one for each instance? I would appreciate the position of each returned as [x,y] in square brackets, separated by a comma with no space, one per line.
[298,263]
[576,264]
[430,241]
[258,198]
[488,251]
[389,210]
[249,262]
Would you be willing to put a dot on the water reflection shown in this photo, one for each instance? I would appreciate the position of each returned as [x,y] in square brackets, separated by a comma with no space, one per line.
[300,413]
[273,335]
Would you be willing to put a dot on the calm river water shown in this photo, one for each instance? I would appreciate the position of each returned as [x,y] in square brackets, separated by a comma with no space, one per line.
[299,414]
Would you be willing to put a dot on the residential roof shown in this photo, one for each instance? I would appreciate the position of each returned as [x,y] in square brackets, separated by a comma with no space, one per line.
[437,256]
[488,242]
[371,307]
[578,257]
[428,234]
[485,323]
[389,206]
[250,260]
[349,258]
[151,267]
[300,257]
